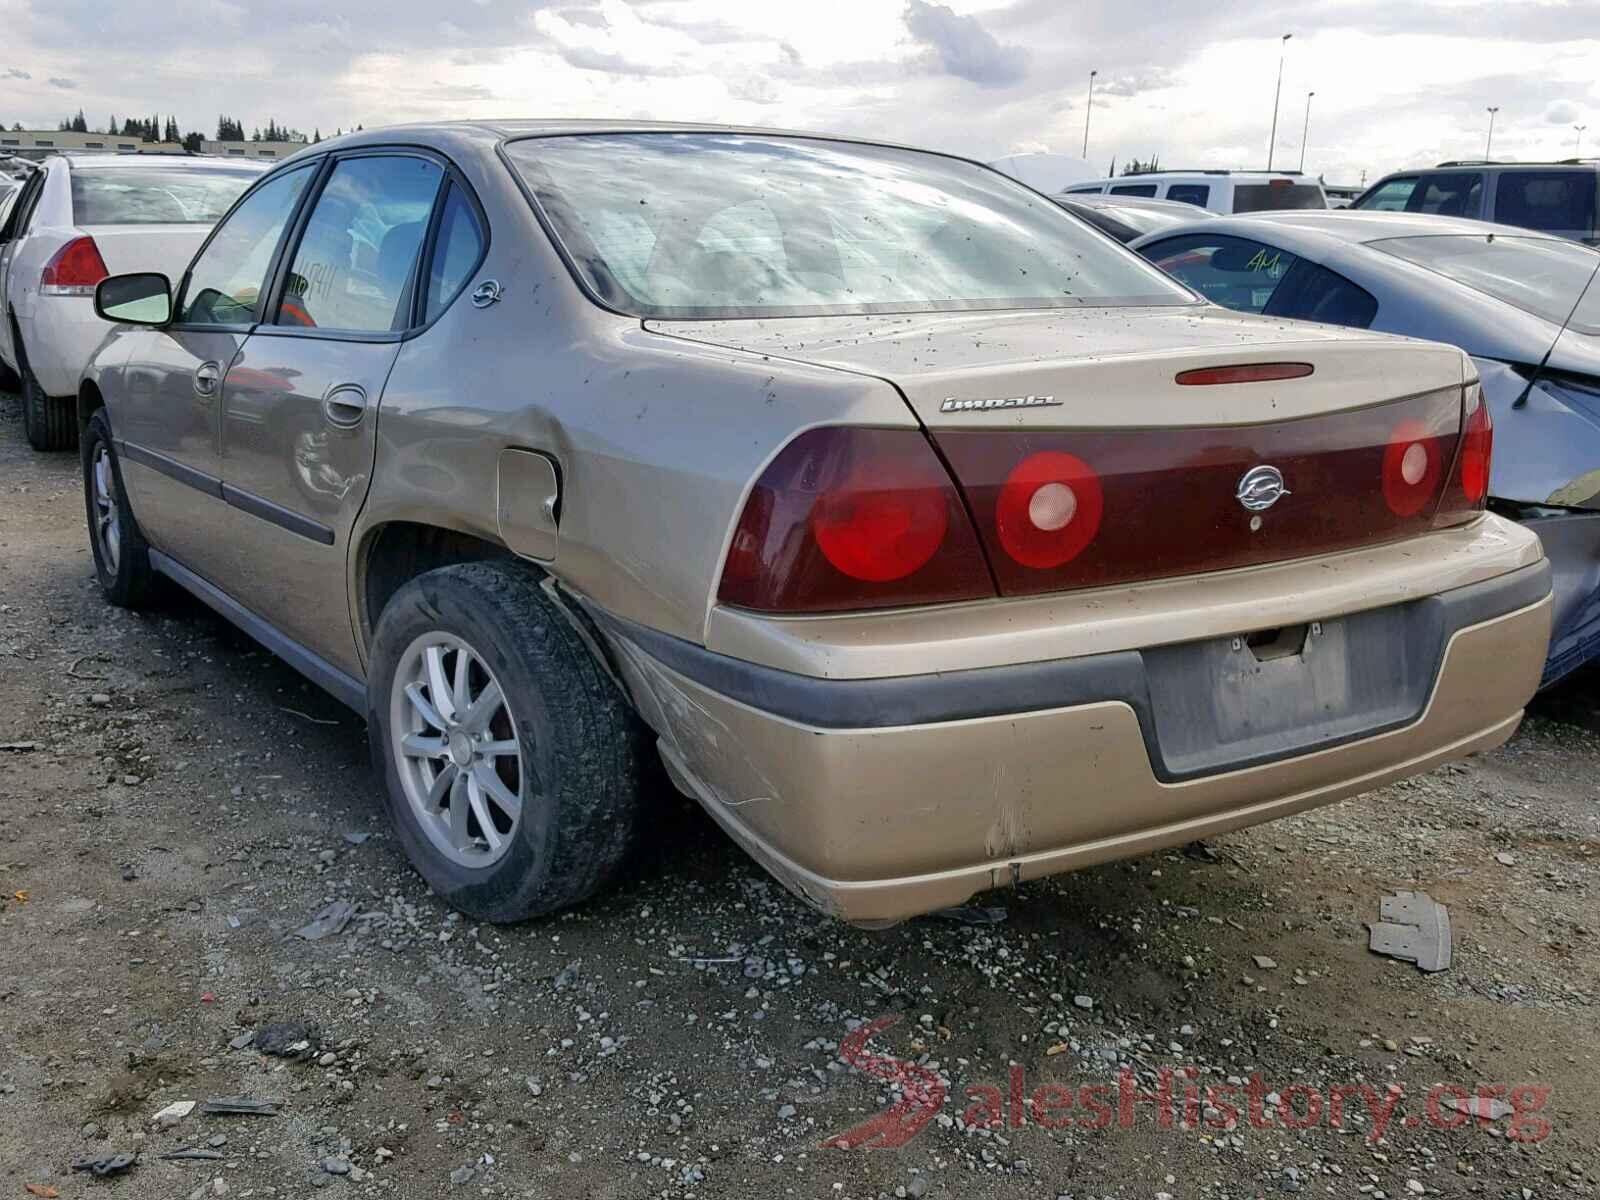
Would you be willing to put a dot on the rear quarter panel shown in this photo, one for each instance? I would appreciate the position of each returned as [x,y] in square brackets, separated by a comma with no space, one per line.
[656,440]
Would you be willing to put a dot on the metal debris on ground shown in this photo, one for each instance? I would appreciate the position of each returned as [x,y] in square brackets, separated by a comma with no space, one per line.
[1485,1108]
[329,921]
[111,1164]
[192,1154]
[240,1106]
[973,914]
[1415,928]
[173,1113]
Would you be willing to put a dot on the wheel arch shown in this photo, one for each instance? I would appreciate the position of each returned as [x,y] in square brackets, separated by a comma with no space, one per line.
[90,401]
[392,553]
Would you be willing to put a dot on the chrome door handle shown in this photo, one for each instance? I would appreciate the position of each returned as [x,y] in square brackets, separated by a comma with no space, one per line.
[345,406]
[206,378]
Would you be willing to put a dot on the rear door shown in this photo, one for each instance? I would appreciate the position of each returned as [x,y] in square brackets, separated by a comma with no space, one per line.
[299,423]
[166,417]
[11,234]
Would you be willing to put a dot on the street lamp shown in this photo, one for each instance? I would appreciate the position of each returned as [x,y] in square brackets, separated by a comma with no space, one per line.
[1305,133]
[1493,108]
[1283,48]
[1089,108]
[1577,151]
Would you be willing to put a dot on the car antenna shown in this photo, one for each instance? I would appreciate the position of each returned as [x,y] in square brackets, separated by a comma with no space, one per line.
[1522,400]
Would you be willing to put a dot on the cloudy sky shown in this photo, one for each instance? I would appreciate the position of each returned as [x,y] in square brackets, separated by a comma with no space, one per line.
[1397,82]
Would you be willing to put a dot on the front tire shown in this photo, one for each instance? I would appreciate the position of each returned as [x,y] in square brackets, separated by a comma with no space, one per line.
[51,422]
[121,555]
[512,766]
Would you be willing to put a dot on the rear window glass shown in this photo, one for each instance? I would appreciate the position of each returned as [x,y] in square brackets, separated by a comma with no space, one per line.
[1556,201]
[154,196]
[1190,193]
[1269,197]
[1234,272]
[1134,189]
[733,225]
[1543,276]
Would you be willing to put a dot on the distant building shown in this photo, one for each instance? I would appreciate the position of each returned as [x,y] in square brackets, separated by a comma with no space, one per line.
[251,149]
[37,143]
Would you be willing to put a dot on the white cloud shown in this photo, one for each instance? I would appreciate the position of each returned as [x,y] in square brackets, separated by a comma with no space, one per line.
[1562,112]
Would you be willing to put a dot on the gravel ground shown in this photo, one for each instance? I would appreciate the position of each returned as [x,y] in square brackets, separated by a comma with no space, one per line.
[174,804]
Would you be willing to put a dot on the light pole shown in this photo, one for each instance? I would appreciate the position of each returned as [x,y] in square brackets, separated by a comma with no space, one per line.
[1089,108]
[1305,133]
[1283,48]
[1577,150]
[1487,145]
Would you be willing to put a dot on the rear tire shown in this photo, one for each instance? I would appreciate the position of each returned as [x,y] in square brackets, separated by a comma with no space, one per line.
[121,555]
[51,422]
[554,735]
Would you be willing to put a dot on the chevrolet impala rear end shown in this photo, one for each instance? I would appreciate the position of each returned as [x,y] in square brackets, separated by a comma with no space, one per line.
[1093,569]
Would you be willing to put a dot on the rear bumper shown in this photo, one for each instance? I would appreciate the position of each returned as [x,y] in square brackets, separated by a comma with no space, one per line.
[877,799]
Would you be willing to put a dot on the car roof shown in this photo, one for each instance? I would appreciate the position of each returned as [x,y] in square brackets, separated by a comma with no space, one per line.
[1367,225]
[1176,208]
[181,162]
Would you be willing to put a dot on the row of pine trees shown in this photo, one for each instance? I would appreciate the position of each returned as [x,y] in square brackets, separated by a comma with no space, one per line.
[154,129]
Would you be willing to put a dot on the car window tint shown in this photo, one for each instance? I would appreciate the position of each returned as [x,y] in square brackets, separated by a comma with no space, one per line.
[226,280]
[1392,195]
[1276,196]
[352,269]
[150,196]
[1134,189]
[1234,272]
[1314,293]
[1190,193]
[1556,201]
[1455,195]
[456,253]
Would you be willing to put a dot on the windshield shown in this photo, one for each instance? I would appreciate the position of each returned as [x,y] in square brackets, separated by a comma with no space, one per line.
[155,195]
[1543,276]
[734,225]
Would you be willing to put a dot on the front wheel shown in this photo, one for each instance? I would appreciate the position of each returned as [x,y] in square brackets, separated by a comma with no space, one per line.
[512,766]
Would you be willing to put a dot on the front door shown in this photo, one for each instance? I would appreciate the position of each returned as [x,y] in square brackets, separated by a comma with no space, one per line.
[299,423]
[167,416]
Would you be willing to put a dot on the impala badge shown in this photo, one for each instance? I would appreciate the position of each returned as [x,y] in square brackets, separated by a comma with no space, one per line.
[952,404]
[1260,488]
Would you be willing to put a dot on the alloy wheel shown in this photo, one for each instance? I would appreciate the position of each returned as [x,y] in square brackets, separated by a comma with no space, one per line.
[107,523]
[455,744]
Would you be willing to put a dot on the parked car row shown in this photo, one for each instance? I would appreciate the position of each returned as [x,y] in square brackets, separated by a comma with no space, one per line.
[74,221]
[927,536]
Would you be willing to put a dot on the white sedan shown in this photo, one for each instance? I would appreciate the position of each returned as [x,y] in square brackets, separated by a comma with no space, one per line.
[76,220]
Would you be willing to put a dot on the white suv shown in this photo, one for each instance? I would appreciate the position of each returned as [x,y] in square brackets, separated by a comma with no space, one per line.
[75,221]
[1225,192]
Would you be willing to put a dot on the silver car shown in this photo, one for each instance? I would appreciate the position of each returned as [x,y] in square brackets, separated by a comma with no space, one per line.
[1501,293]
[77,219]
[930,539]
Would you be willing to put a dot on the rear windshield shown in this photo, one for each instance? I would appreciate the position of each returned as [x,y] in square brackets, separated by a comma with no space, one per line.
[1543,276]
[732,225]
[1269,197]
[154,195]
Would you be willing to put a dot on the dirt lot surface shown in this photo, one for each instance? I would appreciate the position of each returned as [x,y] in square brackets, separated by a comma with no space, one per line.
[174,804]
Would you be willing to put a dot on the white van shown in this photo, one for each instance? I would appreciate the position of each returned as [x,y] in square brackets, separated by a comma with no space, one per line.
[1224,192]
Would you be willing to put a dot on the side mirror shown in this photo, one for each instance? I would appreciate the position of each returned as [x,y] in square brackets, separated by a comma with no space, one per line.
[142,299]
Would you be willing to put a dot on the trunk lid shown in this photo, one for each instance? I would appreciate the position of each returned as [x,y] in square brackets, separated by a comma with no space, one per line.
[1084,461]
[166,249]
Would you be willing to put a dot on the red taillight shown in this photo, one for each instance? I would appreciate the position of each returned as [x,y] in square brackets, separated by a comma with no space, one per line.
[853,518]
[1413,464]
[1477,450]
[1244,373]
[1467,493]
[73,270]
[1049,509]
